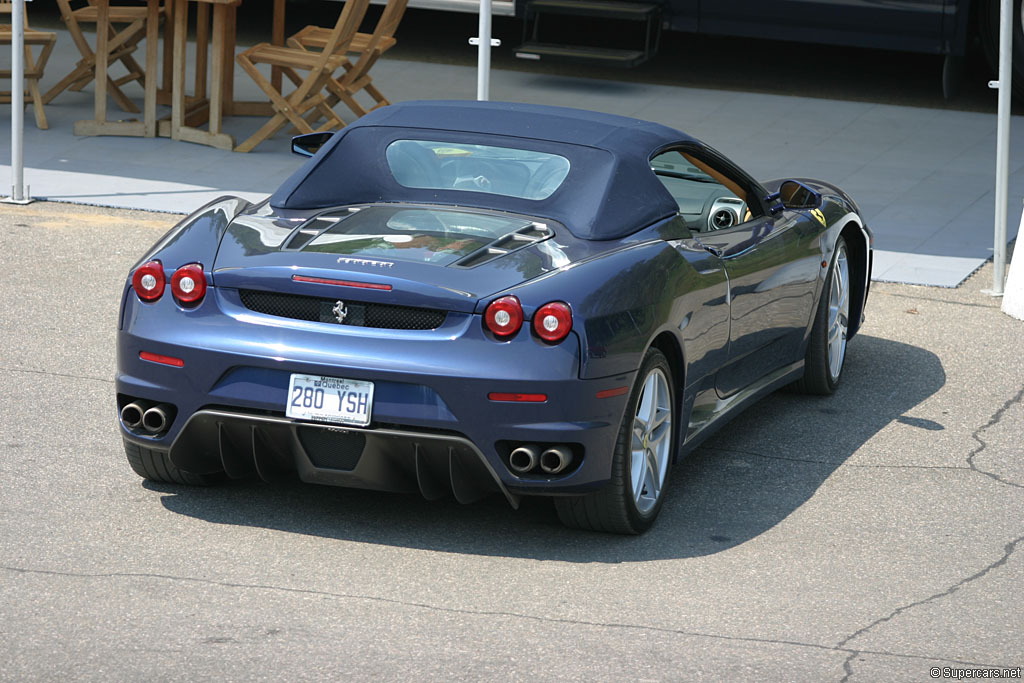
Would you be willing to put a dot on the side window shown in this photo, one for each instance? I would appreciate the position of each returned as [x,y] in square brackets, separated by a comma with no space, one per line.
[707,199]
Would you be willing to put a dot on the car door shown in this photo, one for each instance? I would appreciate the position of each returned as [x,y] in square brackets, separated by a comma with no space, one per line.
[902,24]
[772,263]
[771,260]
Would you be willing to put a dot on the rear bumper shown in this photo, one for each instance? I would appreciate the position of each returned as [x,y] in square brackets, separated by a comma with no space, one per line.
[433,426]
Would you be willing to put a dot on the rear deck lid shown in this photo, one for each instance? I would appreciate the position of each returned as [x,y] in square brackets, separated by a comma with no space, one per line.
[410,255]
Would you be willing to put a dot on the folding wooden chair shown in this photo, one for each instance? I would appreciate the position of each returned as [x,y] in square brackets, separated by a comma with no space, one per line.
[366,48]
[309,95]
[127,29]
[33,67]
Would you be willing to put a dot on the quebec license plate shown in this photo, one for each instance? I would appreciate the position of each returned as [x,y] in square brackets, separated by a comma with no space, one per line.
[330,399]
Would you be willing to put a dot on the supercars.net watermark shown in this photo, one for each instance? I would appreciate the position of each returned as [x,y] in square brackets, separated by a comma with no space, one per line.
[958,674]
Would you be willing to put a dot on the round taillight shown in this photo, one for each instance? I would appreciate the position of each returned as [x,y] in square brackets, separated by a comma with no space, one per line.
[148,281]
[552,321]
[504,316]
[189,284]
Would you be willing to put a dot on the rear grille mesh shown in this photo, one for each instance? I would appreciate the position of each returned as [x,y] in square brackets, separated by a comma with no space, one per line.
[356,313]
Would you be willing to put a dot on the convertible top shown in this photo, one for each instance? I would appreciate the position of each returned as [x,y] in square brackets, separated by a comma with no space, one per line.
[609,192]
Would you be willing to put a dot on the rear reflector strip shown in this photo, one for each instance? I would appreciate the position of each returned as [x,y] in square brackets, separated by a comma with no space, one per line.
[518,398]
[341,283]
[163,360]
[608,393]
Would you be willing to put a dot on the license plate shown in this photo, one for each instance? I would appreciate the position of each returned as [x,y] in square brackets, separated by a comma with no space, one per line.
[330,399]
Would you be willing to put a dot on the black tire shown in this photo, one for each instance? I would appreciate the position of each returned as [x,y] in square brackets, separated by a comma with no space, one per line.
[614,508]
[818,377]
[154,465]
[987,18]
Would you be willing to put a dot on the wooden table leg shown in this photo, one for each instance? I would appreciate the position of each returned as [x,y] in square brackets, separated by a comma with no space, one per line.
[152,44]
[102,55]
[230,29]
[168,61]
[178,74]
[202,41]
[217,82]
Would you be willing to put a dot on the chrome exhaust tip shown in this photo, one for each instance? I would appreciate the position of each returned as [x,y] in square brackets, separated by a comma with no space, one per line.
[155,419]
[555,459]
[524,458]
[132,414]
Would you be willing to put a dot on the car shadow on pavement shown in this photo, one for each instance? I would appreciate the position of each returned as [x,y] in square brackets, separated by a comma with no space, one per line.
[743,481]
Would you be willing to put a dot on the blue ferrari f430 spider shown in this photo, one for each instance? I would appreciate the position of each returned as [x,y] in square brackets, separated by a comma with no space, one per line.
[462,298]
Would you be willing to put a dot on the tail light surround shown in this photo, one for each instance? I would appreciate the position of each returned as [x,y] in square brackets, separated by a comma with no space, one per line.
[504,317]
[149,281]
[188,284]
[553,321]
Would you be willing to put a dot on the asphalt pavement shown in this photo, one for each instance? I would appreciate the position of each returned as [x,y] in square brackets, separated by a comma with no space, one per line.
[873,535]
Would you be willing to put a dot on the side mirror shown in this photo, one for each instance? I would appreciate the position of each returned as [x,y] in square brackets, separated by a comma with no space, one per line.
[796,195]
[309,144]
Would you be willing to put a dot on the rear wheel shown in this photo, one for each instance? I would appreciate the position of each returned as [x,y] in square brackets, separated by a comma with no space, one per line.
[156,466]
[826,348]
[641,463]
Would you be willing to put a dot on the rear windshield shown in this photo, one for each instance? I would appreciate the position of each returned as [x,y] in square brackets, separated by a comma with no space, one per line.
[478,168]
[410,234]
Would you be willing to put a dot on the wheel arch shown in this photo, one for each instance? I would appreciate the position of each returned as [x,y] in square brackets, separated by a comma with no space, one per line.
[858,248]
[669,345]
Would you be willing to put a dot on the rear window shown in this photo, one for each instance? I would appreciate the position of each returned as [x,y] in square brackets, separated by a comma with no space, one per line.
[505,171]
[424,235]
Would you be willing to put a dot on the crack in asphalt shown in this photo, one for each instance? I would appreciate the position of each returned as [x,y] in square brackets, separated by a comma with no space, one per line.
[56,374]
[841,464]
[1008,550]
[511,615]
[848,666]
[940,301]
[982,444]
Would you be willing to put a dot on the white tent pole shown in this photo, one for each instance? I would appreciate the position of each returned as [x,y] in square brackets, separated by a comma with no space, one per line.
[483,58]
[18,101]
[1002,143]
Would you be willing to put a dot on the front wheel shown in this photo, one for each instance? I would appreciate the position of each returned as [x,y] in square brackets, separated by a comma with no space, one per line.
[826,348]
[641,462]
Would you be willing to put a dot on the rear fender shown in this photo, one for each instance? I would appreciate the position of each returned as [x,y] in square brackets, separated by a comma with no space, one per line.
[196,238]
[619,301]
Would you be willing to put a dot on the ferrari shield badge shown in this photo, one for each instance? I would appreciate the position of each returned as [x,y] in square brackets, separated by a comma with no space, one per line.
[817,213]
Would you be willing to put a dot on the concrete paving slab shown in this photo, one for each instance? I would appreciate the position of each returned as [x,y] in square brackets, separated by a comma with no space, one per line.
[922,176]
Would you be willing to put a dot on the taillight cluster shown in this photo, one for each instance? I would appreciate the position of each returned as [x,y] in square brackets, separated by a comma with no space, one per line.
[148,281]
[188,283]
[504,316]
[551,322]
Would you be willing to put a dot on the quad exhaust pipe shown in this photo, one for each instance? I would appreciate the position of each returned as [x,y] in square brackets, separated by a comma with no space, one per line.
[555,459]
[146,416]
[155,420]
[529,458]
[524,458]
[131,414]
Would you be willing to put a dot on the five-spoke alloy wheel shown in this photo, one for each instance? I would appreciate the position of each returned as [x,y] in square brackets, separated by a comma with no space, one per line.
[826,347]
[642,460]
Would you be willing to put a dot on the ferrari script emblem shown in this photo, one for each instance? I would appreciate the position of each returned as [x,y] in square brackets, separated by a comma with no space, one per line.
[339,311]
